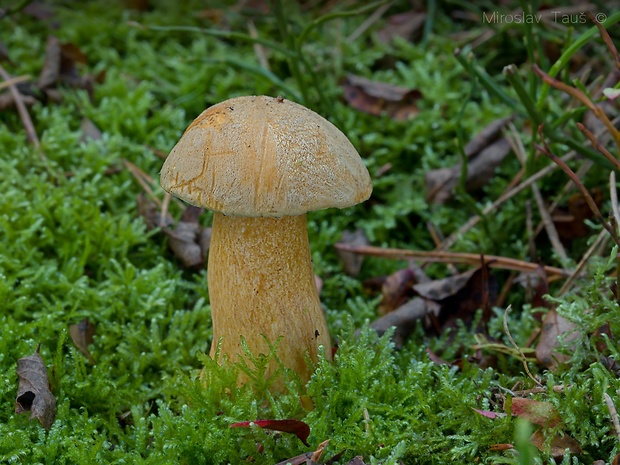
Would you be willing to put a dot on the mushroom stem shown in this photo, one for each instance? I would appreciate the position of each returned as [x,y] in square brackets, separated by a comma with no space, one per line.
[261,283]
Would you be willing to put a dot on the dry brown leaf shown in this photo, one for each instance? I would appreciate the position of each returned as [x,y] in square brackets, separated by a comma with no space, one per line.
[479,292]
[33,391]
[376,98]
[150,213]
[570,222]
[352,262]
[405,318]
[405,25]
[559,444]
[484,152]
[553,326]
[356,461]
[396,290]
[186,239]
[89,130]
[440,289]
[82,336]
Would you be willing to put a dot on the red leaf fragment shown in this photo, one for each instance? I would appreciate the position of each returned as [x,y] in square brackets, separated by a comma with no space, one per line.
[33,391]
[537,412]
[296,427]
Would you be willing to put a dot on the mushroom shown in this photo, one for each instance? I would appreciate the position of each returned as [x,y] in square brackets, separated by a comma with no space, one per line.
[260,163]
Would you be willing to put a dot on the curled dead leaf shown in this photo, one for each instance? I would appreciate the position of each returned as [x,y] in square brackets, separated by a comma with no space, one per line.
[33,391]
[82,336]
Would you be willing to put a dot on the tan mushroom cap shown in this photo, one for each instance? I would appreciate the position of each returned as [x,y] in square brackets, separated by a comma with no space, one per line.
[262,156]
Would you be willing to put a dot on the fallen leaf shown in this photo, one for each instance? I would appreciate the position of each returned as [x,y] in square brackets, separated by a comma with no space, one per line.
[308,458]
[570,220]
[60,68]
[536,412]
[356,461]
[396,290]
[404,25]
[405,318]
[484,152]
[51,67]
[183,239]
[89,130]
[558,446]
[352,262]
[376,98]
[82,336]
[479,292]
[440,289]
[33,391]
[39,10]
[150,213]
[335,458]
[554,326]
[296,427]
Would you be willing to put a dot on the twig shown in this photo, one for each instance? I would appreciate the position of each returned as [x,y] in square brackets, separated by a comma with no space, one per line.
[601,239]
[552,233]
[613,195]
[144,180]
[258,48]
[23,113]
[605,35]
[598,146]
[581,172]
[579,95]
[571,174]
[14,81]
[614,414]
[492,261]
[373,18]
[452,238]
[514,344]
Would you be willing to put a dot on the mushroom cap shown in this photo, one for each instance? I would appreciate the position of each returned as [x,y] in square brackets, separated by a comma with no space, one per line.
[263,156]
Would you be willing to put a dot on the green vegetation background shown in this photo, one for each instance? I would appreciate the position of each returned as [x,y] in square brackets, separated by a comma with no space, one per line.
[73,247]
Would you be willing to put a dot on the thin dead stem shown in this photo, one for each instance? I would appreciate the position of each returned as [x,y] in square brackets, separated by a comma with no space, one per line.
[31,134]
[606,38]
[492,261]
[571,174]
[598,146]
[514,344]
[583,98]
[552,233]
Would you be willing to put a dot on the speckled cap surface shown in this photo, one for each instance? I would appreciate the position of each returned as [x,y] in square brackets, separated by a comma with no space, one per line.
[264,156]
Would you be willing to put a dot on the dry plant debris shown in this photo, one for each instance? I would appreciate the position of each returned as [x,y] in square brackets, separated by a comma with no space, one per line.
[33,392]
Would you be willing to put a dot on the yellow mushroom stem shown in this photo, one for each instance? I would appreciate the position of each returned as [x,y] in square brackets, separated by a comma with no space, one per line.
[261,283]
